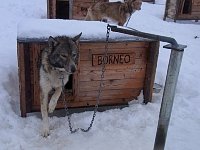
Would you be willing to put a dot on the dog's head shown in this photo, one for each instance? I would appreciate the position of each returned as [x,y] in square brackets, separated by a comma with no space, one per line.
[63,53]
[134,5]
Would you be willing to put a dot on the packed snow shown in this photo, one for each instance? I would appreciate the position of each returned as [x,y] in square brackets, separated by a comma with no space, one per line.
[43,28]
[131,128]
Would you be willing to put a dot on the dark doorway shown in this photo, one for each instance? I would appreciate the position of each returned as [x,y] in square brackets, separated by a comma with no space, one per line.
[69,86]
[62,9]
[187,5]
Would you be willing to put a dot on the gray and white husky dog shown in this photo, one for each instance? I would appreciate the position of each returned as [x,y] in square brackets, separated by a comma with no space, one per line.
[57,60]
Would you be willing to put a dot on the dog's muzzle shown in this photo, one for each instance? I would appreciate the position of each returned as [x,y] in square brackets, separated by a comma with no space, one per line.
[73,68]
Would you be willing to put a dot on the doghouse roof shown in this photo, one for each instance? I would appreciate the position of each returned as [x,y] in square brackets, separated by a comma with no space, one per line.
[43,28]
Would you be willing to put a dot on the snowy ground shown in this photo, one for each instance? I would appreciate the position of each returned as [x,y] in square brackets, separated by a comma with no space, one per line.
[131,128]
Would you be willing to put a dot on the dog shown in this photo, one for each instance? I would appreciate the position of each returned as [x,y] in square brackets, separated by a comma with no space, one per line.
[117,12]
[58,60]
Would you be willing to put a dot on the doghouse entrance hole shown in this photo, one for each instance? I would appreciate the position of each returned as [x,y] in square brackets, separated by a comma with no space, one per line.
[187,7]
[62,9]
[69,86]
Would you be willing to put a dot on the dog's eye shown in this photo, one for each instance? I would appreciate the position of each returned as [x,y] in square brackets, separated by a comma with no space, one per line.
[64,56]
[74,55]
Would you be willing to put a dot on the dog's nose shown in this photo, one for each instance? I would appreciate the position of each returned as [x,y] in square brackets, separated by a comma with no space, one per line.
[73,69]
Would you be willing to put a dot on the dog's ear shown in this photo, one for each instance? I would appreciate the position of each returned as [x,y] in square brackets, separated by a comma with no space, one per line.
[52,42]
[76,38]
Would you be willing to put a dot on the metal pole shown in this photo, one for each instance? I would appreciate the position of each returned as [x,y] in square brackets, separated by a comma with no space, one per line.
[168,98]
[170,83]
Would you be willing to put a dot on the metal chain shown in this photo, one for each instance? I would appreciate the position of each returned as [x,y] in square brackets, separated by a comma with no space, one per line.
[128,20]
[66,108]
[99,91]
[101,81]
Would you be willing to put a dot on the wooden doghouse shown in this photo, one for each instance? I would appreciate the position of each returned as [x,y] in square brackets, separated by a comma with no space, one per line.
[68,9]
[71,9]
[182,10]
[130,68]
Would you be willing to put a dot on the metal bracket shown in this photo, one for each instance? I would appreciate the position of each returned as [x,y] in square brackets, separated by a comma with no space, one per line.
[179,47]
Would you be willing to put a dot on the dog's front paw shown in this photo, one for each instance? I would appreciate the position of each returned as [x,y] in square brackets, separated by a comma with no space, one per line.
[52,107]
[45,132]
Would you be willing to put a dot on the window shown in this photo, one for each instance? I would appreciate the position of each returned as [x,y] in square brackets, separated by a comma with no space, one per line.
[62,9]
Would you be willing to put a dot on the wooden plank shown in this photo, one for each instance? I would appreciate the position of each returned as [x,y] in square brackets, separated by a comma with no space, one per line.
[196,8]
[21,71]
[87,65]
[196,13]
[69,99]
[150,71]
[113,59]
[93,75]
[114,45]
[77,77]
[196,2]
[48,8]
[75,84]
[111,84]
[92,103]
[86,54]
[31,50]
[36,67]
[51,9]
[188,17]
[25,79]
[109,94]
[83,1]
[77,104]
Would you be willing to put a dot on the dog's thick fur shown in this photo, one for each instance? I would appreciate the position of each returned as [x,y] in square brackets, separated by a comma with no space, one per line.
[115,11]
[57,60]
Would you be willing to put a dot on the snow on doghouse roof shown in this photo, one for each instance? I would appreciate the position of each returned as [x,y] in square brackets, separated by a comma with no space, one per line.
[43,28]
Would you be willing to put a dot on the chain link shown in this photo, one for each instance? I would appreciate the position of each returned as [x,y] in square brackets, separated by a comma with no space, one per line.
[101,81]
[66,108]
[99,91]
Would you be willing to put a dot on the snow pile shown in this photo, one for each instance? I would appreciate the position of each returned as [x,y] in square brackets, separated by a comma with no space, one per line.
[43,28]
[131,128]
